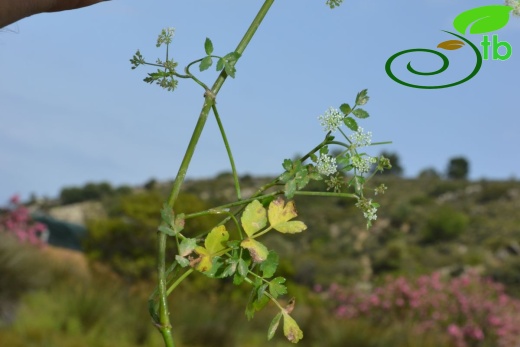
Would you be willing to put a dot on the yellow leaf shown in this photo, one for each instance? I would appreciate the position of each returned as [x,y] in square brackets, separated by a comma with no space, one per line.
[205,259]
[216,239]
[258,251]
[291,330]
[215,242]
[291,227]
[278,213]
[279,216]
[254,218]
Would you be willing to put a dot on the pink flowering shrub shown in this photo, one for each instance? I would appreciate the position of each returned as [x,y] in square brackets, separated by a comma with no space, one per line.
[472,310]
[17,221]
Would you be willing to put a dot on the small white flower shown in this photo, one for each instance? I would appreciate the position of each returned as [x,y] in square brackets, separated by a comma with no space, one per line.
[369,210]
[165,36]
[360,138]
[363,164]
[326,165]
[331,120]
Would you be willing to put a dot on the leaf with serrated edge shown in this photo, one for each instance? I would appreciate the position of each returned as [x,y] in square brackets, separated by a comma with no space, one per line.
[166,230]
[187,246]
[208,46]
[291,330]
[345,109]
[216,239]
[254,218]
[277,287]
[351,123]
[269,266]
[273,326]
[257,250]
[205,63]
[360,113]
[280,213]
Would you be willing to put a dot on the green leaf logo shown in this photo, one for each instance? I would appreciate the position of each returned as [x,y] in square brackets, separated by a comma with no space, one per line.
[482,19]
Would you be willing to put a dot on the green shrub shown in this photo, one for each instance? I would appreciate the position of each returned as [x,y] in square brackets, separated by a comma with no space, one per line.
[444,224]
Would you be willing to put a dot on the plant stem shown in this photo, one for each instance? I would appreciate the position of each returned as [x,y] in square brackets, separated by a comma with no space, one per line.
[228,150]
[209,99]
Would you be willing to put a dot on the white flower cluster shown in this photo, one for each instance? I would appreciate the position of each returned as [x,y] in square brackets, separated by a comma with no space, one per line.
[363,164]
[360,138]
[331,120]
[326,165]
[165,36]
[368,209]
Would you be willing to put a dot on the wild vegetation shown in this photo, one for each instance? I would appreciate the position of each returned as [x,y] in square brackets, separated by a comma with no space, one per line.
[458,230]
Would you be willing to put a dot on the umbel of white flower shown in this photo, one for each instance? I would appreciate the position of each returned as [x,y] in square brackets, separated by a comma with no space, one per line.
[326,165]
[331,120]
[360,138]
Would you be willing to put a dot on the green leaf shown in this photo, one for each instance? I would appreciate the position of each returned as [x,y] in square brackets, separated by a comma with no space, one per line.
[345,109]
[183,262]
[258,251]
[243,267]
[205,63]
[167,214]
[256,302]
[187,246]
[277,287]
[287,164]
[216,270]
[291,330]
[362,97]
[269,266]
[220,64]
[290,188]
[273,326]
[208,46]
[166,230]
[360,113]
[231,268]
[254,218]
[351,123]
[230,70]
[482,19]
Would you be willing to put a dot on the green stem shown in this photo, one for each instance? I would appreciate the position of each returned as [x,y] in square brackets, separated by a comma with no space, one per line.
[339,195]
[232,204]
[179,280]
[228,150]
[209,99]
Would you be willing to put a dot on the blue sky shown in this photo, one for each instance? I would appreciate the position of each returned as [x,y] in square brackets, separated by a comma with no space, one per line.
[72,110]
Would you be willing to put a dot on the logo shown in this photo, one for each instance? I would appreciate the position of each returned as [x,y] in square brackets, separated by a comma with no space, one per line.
[480,20]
